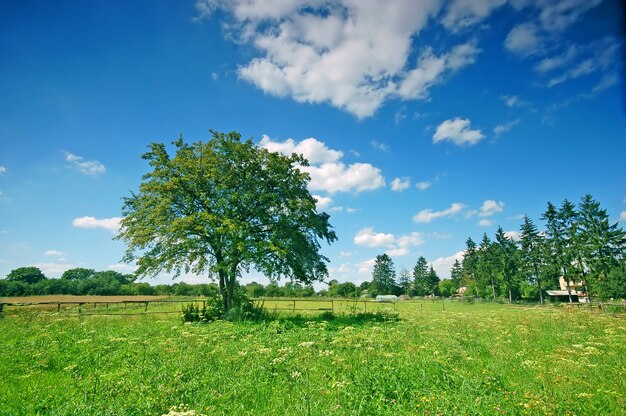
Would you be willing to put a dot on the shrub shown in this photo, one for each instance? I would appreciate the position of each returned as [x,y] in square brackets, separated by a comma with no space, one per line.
[213,309]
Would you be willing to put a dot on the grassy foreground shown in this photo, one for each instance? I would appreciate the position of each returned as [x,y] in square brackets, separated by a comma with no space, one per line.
[469,359]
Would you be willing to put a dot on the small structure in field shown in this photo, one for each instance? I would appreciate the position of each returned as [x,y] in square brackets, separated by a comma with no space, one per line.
[387,298]
[574,290]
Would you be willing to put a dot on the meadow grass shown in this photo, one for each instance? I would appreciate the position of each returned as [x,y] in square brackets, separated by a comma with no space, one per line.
[469,359]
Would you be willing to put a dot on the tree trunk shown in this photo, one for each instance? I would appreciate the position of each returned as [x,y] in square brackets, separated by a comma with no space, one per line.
[475,285]
[539,287]
[493,289]
[223,292]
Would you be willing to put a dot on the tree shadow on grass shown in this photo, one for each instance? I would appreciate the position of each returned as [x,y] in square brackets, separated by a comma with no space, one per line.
[331,320]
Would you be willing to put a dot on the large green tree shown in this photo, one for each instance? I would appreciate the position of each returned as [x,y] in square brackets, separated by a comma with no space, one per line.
[531,253]
[383,275]
[29,275]
[420,277]
[221,207]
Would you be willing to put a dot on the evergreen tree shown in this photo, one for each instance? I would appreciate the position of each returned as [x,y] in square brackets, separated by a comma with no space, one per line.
[506,260]
[601,245]
[485,264]
[383,275]
[456,274]
[405,282]
[420,277]
[433,282]
[556,244]
[470,261]
[531,243]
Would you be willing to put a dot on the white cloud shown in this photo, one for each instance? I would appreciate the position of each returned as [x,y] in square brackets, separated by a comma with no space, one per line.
[442,265]
[3,169]
[607,81]
[53,269]
[490,207]
[513,235]
[367,237]
[327,172]
[457,131]
[397,246]
[557,16]
[87,167]
[383,147]
[345,254]
[122,267]
[322,202]
[351,54]
[513,101]
[501,128]
[464,13]
[600,57]
[337,177]
[427,215]
[366,267]
[431,69]
[312,149]
[400,184]
[622,216]
[112,224]
[423,185]
[523,39]
[55,253]
[351,210]
[558,61]
[485,222]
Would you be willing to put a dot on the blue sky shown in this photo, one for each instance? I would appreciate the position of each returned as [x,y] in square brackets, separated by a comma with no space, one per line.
[426,122]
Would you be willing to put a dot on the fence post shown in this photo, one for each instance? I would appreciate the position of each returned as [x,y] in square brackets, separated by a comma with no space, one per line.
[146,308]
[294,304]
[365,303]
[332,305]
[59,307]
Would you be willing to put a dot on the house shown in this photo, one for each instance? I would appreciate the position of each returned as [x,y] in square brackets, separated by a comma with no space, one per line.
[576,292]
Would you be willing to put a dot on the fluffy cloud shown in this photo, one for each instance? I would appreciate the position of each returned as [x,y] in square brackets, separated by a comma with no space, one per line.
[122,267]
[457,131]
[3,169]
[513,235]
[423,185]
[351,54]
[55,253]
[397,246]
[599,56]
[312,149]
[464,13]
[442,265]
[87,167]
[490,207]
[367,237]
[487,209]
[622,216]
[366,267]
[400,184]
[512,101]
[327,172]
[323,202]
[485,222]
[111,224]
[523,39]
[53,269]
[427,215]
[502,128]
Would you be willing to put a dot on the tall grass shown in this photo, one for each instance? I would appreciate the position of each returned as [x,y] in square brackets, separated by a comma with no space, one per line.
[466,359]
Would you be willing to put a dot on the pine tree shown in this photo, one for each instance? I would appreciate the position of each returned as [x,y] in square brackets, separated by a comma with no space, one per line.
[470,261]
[485,263]
[420,277]
[456,274]
[405,282]
[506,258]
[383,275]
[531,243]
[433,282]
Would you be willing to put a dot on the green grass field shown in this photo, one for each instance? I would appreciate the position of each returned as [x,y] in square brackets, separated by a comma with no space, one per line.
[482,359]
